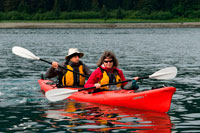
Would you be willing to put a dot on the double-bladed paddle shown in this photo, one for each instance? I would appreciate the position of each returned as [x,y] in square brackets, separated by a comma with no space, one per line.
[27,54]
[61,94]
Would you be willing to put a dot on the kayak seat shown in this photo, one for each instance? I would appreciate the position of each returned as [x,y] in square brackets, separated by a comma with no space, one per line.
[158,87]
[137,91]
[42,76]
[153,88]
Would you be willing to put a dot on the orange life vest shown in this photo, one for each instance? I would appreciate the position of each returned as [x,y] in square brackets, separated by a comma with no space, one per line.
[68,78]
[106,79]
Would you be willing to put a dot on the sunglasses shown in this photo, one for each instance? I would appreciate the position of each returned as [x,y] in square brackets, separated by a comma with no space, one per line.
[108,61]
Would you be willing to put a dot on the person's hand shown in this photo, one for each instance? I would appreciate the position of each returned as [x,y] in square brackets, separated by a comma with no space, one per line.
[136,78]
[54,64]
[97,85]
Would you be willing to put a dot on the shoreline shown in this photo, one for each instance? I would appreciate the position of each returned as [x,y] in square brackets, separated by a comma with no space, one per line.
[33,25]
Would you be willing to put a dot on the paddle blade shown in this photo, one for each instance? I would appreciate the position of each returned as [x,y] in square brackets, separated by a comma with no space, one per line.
[59,94]
[24,53]
[166,73]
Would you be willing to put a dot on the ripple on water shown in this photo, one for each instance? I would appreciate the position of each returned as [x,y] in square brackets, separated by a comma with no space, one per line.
[141,52]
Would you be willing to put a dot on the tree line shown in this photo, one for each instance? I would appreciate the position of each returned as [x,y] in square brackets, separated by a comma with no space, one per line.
[70,9]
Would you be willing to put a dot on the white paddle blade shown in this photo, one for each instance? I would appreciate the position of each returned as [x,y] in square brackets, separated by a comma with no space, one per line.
[59,94]
[166,73]
[24,53]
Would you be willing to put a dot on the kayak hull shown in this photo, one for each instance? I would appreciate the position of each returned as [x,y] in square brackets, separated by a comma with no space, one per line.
[158,100]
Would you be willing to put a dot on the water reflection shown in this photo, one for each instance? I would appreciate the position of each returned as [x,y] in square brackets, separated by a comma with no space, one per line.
[78,116]
[140,52]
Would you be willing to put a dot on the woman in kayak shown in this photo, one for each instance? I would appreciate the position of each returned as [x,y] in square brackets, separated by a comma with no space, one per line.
[107,72]
[68,78]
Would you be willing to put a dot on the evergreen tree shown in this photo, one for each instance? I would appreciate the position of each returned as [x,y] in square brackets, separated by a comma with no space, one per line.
[169,4]
[104,13]
[10,5]
[127,4]
[70,5]
[95,5]
[45,5]
[110,6]
[56,9]
[1,5]
[136,5]
[85,5]
[178,9]
[147,6]
[33,6]
[118,3]
[23,6]
[119,14]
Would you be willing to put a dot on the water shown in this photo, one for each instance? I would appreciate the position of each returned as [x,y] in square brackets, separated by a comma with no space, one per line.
[141,52]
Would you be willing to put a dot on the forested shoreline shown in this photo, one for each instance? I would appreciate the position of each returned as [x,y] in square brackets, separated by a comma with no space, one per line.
[98,9]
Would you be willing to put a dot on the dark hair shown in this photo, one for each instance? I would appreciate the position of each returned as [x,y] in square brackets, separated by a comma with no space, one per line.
[108,54]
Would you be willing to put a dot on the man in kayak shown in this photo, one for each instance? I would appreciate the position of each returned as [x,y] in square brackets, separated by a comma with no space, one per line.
[107,72]
[73,63]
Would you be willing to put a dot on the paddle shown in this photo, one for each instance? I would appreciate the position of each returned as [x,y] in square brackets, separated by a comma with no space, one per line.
[61,94]
[27,54]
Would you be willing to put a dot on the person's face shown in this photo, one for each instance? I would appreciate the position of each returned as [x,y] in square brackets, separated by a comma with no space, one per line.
[75,59]
[108,62]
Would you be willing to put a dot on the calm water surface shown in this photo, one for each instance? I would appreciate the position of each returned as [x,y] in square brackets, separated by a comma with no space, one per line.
[141,52]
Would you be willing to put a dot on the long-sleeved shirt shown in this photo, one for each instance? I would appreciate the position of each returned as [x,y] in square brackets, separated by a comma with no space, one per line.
[97,75]
[52,72]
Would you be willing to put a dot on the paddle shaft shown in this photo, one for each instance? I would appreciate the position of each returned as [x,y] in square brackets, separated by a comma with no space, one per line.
[114,83]
[63,67]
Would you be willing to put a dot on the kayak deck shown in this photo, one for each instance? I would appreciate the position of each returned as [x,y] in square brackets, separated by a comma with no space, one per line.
[158,100]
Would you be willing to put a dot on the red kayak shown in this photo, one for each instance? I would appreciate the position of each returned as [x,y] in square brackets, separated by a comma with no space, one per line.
[158,99]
